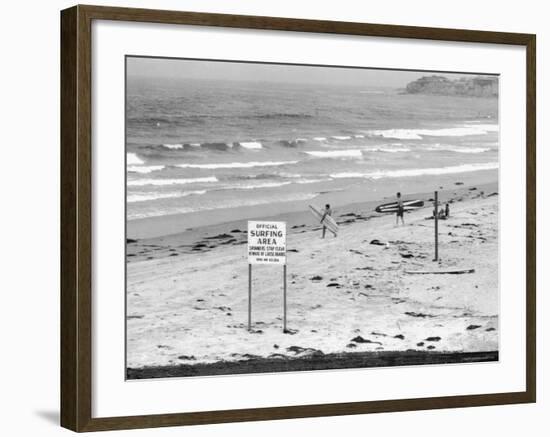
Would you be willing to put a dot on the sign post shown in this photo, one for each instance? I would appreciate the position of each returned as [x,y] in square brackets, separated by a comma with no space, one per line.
[249,296]
[266,245]
[284,298]
[436,216]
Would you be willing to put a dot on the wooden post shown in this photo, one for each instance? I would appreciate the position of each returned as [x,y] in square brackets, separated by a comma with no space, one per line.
[249,296]
[284,298]
[436,211]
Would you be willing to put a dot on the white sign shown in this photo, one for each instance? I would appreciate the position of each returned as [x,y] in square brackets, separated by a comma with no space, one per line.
[266,242]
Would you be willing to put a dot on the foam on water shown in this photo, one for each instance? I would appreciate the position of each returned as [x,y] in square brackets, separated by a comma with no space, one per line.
[162,182]
[389,150]
[417,134]
[229,204]
[402,134]
[289,175]
[256,186]
[250,164]
[144,197]
[417,171]
[312,181]
[144,169]
[462,149]
[133,159]
[351,153]
[173,146]
[250,144]
[457,131]
[471,150]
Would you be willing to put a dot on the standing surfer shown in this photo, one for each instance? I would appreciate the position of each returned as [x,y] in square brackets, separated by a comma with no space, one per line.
[328,211]
[400,210]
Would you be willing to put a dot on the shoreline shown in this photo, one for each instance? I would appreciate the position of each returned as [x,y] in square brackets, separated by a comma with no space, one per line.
[364,192]
[233,232]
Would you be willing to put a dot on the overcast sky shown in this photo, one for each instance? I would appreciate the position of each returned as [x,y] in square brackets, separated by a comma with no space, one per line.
[189,69]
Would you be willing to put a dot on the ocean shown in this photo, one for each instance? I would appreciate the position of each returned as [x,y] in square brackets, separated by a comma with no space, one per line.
[205,145]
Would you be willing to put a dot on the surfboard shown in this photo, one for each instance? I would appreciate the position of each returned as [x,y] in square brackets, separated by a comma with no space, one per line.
[408,205]
[328,220]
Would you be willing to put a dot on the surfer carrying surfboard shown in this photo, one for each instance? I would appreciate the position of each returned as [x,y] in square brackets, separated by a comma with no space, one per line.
[326,212]
[324,216]
[400,210]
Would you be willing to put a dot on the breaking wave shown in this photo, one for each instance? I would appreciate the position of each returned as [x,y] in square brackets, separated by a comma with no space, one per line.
[388,149]
[133,159]
[438,148]
[238,164]
[162,182]
[250,144]
[144,197]
[417,134]
[144,169]
[417,171]
[351,153]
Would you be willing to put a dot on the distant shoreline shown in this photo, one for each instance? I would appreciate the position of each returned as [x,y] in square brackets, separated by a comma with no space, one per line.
[320,361]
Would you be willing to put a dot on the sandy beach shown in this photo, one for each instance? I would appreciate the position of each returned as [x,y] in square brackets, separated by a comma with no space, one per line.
[353,301]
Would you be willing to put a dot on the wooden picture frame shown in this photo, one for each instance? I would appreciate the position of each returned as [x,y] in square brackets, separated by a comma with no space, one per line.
[76,217]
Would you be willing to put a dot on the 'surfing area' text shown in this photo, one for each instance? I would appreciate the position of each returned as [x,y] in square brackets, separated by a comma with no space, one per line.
[266,242]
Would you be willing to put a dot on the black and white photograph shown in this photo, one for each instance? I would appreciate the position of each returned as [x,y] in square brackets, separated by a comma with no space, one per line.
[284,217]
[275,218]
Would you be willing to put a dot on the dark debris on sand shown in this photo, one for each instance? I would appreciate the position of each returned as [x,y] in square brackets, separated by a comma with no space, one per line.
[421,315]
[360,339]
[187,357]
[377,243]
[219,237]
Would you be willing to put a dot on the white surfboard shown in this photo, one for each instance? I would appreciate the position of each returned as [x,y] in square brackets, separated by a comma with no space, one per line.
[328,221]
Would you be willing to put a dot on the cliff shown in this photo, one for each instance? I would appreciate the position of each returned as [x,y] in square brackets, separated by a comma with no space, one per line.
[479,86]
